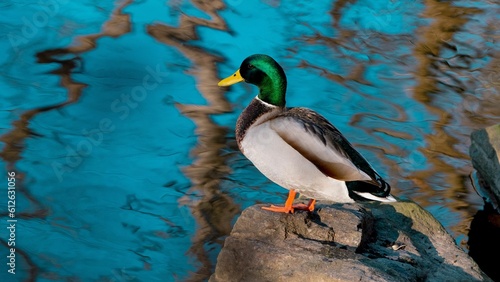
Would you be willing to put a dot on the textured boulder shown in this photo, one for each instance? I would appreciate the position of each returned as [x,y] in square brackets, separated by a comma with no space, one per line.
[485,155]
[350,242]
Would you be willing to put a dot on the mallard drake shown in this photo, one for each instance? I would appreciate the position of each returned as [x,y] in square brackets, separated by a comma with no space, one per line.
[298,148]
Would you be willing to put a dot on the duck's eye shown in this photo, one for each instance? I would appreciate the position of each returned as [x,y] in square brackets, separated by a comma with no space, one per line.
[250,67]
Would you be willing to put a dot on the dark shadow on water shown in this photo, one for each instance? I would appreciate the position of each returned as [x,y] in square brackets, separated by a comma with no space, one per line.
[484,241]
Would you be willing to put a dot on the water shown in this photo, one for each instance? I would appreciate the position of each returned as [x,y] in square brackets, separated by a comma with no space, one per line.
[123,145]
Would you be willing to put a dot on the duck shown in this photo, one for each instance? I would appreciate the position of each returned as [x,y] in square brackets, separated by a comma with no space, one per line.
[296,147]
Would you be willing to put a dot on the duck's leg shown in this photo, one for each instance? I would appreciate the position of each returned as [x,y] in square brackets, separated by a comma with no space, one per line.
[289,207]
[308,207]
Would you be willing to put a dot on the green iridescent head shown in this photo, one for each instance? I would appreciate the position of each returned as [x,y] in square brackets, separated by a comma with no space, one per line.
[265,73]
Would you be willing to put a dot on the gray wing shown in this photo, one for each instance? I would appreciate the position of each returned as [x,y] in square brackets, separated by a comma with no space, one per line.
[322,144]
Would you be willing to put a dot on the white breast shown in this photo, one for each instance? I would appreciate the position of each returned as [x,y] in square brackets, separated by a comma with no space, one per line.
[282,164]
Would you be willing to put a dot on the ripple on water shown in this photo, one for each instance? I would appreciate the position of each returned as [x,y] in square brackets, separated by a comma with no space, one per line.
[124,145]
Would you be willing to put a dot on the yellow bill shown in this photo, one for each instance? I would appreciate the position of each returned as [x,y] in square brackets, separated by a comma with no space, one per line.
[232,79]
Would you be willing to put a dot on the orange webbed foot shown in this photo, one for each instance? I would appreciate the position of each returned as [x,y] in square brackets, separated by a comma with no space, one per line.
[289,208]
[308,207]
[284,209]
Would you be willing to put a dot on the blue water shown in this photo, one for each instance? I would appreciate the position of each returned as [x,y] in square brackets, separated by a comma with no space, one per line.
[123,145]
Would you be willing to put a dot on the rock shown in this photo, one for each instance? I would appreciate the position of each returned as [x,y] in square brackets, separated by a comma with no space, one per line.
[485,155]
[343,242]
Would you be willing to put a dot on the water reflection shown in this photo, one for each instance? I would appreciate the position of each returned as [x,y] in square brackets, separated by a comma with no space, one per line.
[213,209]
[15,139]
[447,55]
[406,82]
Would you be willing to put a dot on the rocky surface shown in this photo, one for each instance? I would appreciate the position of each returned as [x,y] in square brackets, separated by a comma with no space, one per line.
[485,155]
[343,242]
